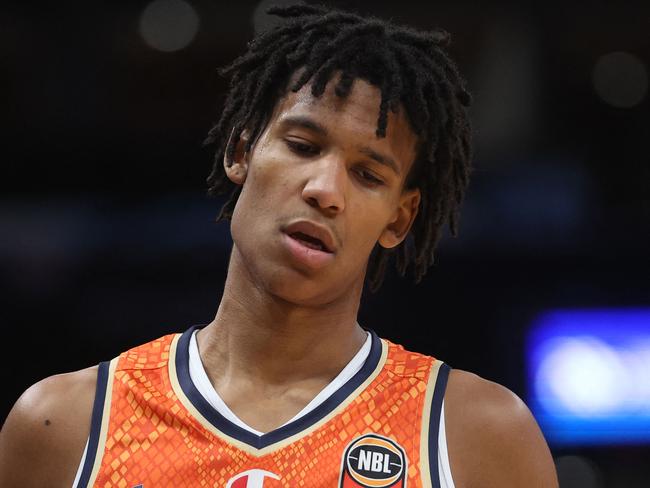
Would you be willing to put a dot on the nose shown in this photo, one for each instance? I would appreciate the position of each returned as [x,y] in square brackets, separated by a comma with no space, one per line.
[325,188]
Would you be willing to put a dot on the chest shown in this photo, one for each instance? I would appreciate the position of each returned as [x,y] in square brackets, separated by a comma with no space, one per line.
[360,447]
[155,429]
[368,439]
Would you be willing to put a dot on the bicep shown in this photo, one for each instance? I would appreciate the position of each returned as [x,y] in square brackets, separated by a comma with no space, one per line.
[524,457]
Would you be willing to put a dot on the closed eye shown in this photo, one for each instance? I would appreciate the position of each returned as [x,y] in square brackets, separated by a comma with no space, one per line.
[369,178]
[302,148]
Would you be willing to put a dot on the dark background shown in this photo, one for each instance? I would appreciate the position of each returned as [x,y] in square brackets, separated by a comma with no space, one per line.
[107,239]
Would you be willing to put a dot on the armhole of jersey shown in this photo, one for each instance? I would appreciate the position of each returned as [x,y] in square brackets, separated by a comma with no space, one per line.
[98,426]
[431,414]
[75,483]
[444,468]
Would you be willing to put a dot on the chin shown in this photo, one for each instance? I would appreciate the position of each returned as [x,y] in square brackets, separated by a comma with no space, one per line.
[296,288]
[273,274]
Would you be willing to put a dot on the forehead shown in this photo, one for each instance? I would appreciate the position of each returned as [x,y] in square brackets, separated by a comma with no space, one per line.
[352,119]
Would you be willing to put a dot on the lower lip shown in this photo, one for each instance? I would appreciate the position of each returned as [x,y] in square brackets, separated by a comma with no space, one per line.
[312,258]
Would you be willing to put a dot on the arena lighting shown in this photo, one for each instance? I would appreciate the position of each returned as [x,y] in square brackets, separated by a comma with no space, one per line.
[169,25]
[589,376]
[620,79]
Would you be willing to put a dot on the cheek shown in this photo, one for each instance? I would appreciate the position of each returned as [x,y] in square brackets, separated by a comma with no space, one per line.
[368,219]
[268,164]
[264,189]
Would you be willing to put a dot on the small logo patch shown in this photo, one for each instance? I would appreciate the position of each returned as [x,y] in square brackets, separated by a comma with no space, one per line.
[373,461]
[253,478]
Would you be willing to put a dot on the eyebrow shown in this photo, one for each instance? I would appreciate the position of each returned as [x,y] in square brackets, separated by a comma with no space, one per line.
[310,124]
[305,123]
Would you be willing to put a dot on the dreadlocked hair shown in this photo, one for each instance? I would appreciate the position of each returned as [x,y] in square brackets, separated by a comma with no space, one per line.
[412,70]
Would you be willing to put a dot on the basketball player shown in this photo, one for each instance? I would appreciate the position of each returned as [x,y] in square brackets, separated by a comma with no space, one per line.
[343,141]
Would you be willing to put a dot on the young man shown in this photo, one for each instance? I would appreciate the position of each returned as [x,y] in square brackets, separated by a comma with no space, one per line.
[343,140]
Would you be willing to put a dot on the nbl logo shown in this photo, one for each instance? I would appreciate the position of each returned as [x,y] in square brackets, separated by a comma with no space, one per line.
[372,461]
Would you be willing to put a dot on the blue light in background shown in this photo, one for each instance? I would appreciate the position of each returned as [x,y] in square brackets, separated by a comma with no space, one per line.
[589,376]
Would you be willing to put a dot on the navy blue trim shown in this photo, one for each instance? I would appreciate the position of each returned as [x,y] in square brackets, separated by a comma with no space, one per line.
[95,423]
[293,428]
[434,422]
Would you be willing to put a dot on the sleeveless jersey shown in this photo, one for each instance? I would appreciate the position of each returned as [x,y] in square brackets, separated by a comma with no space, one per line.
[151,427]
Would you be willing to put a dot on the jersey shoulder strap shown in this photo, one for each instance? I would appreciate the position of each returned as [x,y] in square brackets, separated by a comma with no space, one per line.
[125,372]
[429,443]
[434,375]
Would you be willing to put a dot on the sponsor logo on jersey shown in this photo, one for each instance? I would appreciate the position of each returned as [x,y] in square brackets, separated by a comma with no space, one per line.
[253,478]
[373,461]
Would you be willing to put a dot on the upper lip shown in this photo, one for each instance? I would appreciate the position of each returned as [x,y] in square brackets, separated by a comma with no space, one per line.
[314,230]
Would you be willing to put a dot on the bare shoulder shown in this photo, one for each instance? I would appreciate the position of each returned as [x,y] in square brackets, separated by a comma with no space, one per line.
[43,438]
[492,437]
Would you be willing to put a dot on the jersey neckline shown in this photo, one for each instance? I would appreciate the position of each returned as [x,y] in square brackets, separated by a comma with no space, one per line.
[200,379]
[180,362]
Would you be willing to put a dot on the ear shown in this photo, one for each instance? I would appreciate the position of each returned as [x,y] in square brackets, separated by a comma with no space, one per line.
[237,167]
[405,214]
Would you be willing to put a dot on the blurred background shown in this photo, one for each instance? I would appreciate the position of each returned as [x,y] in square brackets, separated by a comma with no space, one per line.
[107,238]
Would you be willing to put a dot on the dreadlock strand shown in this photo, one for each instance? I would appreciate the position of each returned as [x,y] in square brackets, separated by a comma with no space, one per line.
[390,90]
[416,95]
[344,86]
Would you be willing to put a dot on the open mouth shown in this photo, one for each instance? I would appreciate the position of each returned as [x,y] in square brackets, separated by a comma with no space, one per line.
[309,241]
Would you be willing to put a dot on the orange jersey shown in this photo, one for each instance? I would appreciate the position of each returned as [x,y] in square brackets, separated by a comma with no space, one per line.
[152,428]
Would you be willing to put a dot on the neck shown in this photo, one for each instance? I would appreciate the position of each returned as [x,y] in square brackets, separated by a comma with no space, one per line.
[270,340]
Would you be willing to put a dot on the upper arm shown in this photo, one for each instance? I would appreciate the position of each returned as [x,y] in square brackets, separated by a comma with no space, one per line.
[493,439]
[42,439]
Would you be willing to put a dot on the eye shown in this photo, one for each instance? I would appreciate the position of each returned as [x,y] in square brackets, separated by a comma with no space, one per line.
[369,178]
[302,148]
